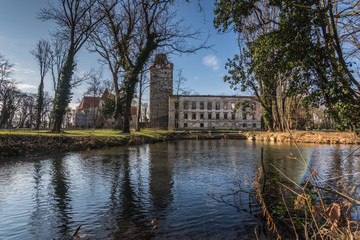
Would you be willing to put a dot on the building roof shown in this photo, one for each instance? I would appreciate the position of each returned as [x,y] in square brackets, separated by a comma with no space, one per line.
[133,110]
[105,94]
[217,96]
[88,103]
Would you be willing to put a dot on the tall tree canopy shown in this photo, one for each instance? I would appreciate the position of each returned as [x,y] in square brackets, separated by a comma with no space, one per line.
[136,30]
[294,52]
[76,19]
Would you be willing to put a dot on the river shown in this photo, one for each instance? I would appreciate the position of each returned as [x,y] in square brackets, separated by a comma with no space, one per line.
[153,191]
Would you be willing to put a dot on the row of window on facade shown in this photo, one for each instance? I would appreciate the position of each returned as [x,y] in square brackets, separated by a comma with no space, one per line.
[209,105]
[244,125]
[231,116]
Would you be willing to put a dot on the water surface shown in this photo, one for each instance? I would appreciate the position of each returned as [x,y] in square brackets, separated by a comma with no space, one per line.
[116,193]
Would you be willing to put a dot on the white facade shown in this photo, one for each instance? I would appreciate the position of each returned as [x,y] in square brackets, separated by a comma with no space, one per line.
[213,112]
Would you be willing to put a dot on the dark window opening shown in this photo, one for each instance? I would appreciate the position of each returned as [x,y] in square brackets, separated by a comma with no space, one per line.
[217,106]
[185,125]
[209,116]
[209,106]
[244,125]
[217,116]
[201,125]
[185,116]
[201,116]
[194,116]
[201,105]
[193,105]
[233,116]
[225,115]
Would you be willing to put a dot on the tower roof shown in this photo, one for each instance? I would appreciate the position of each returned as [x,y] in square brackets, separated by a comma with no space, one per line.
[105,94]
[161,62]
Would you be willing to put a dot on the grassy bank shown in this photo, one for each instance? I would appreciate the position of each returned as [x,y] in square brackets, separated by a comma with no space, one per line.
[22,142]
[322,137]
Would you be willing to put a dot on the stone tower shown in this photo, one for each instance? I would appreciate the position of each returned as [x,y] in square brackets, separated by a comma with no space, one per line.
[161,86]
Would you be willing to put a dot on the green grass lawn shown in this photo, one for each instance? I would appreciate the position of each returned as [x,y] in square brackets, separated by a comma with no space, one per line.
[85,132]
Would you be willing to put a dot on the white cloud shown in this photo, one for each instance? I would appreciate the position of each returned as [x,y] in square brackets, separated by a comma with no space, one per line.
[23,86]
[211,61]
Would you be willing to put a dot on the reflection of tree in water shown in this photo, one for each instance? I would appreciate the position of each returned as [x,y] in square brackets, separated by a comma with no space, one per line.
[161,182]
[59,182]
[38,217]
[125,208]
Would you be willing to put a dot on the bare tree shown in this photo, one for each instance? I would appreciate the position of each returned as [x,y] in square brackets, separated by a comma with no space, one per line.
[102,42]
[8,91]
[76,19]
[138,29]
[42,53]
[94,90]
[143,85]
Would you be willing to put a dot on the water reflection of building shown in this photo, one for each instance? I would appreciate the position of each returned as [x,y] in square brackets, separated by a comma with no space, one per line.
[160,179]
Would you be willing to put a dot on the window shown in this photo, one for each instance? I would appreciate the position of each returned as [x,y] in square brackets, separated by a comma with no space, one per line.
[254,125]
[233,116]
[253,116]
[209,105]
[201,125]
[177,125]
[185,125]
[217,116]
[176,105]
[194,116]
[186,105]
[232,106]
[244,116]
[244,125]
[217,106]
[209,116]
[225,106]
[193,105]
[185,116]
[202,105]
[201,116]
[225,115]
[176,116]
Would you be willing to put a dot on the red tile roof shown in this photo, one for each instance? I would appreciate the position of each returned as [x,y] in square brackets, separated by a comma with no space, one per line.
[88,103]
[133,110]
[105,94]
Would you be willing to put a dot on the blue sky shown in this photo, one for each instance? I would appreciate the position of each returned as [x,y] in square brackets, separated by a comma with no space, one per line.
[20,30]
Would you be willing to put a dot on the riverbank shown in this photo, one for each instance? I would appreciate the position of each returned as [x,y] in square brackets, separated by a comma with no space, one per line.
[320,137]
[32,143]
[27,142]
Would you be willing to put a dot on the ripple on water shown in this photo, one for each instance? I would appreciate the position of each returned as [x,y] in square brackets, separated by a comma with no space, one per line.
[116,193]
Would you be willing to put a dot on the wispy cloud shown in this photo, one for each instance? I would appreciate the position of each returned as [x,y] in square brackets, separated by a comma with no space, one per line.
[24,86]
[211,61]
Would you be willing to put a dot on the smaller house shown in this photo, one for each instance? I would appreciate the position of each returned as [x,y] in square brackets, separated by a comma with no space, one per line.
[87,114]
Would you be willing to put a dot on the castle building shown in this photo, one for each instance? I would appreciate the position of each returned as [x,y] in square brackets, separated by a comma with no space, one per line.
[88,113]
[186,112]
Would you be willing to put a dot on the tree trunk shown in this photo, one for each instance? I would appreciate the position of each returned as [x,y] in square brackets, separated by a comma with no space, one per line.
[39,105]
[129,97]
[63,91]
[139,104]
